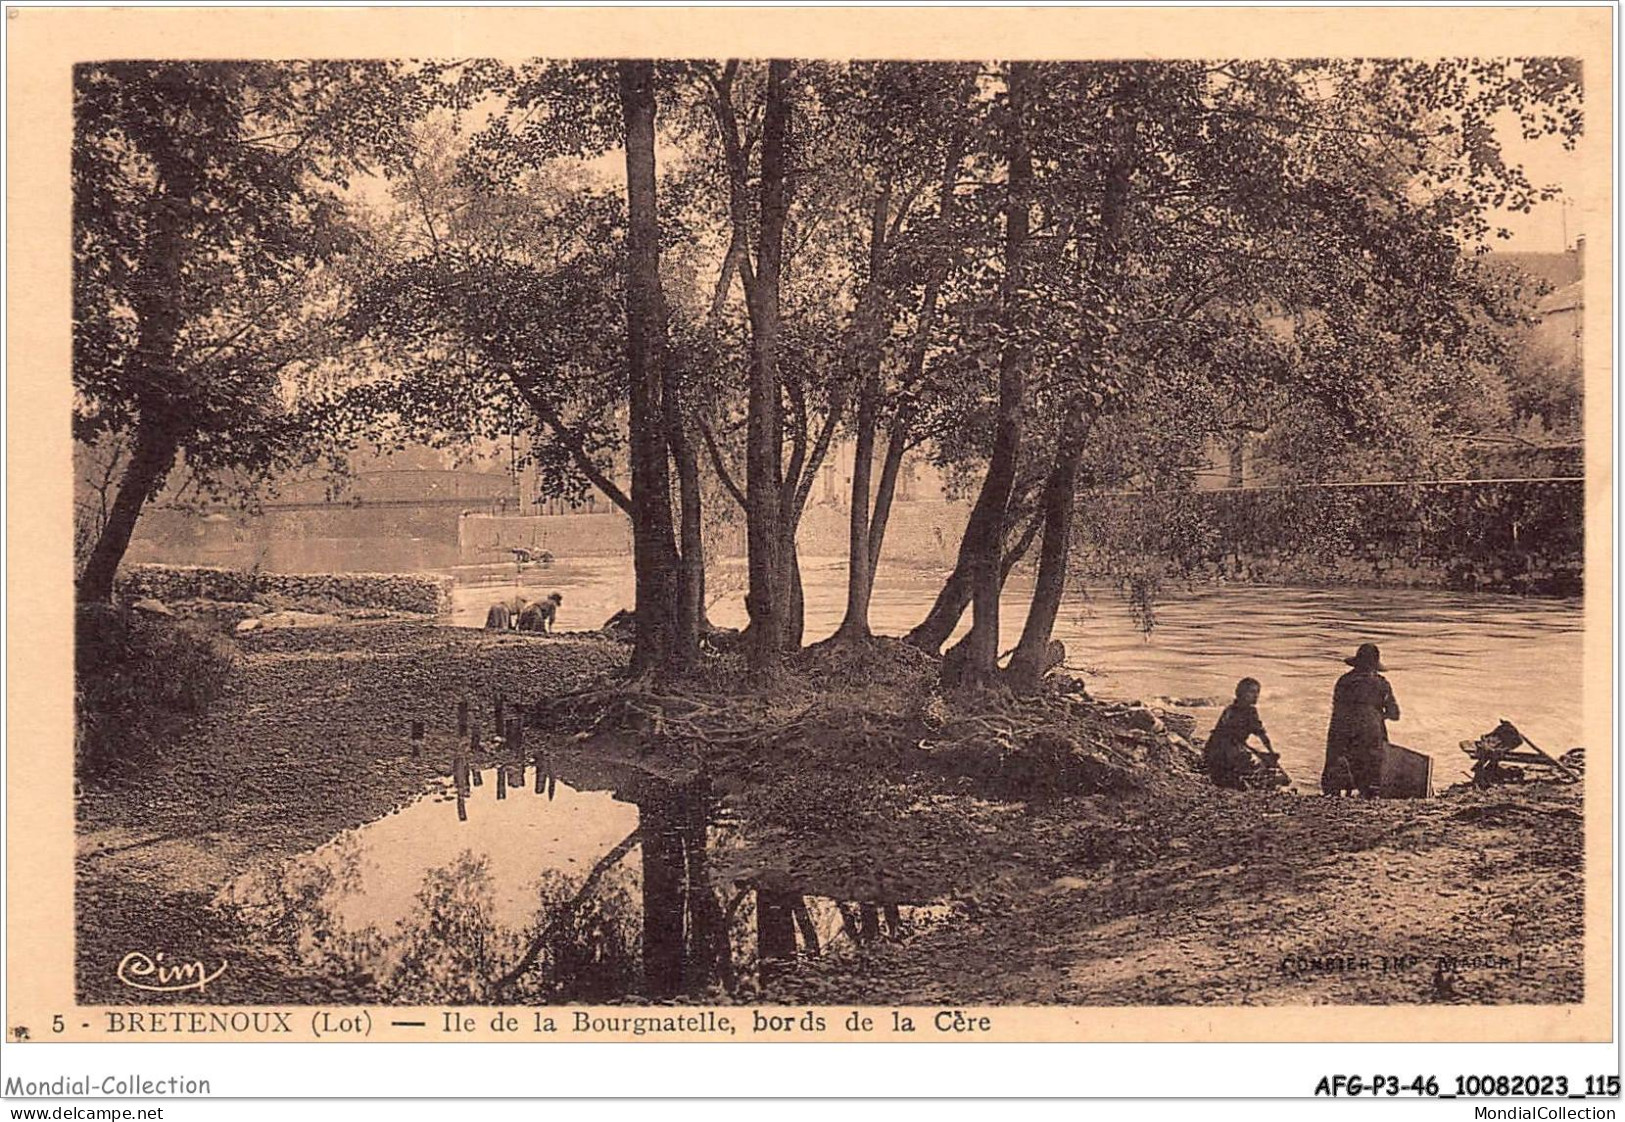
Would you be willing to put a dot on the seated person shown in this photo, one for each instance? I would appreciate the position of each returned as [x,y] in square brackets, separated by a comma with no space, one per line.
[1226,756]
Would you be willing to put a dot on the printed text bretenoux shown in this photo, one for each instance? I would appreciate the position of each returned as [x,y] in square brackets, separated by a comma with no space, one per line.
[1542,1113]
[83,1086]
[194,1022]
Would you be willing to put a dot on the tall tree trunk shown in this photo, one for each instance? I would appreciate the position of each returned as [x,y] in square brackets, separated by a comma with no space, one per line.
[661,828]
[775,932]
[798,485]
[986,528]
[860,580]
[730,265]
[1031,658]
[886,490]
[768,598]
[897,434]
[795,615]
[691,551]
[885,493]
[867,341]
[157,313]
[939,623]
[151,460]
[691,619]
[701,954]
[654,550]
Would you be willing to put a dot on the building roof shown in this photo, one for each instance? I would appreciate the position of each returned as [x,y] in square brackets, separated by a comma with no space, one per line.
[1569,298]
[1554,270]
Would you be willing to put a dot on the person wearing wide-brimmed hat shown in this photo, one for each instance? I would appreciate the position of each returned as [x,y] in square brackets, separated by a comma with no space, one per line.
[1362,705]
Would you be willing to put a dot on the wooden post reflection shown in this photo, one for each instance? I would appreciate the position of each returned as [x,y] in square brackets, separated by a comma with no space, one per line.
[660,825]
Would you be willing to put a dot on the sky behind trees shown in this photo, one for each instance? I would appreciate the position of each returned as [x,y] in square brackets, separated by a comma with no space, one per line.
[1549,227]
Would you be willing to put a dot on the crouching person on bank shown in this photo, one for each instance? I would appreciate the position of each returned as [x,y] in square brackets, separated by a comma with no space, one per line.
[1227,757]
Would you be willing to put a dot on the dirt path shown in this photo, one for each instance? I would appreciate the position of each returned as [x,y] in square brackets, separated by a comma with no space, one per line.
[1237,899]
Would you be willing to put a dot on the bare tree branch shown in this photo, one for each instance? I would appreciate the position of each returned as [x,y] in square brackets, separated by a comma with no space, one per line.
[605,863]
[717,462]
[575,443]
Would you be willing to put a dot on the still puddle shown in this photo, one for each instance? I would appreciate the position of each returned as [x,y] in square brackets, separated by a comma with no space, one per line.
[590,895]
[382,865]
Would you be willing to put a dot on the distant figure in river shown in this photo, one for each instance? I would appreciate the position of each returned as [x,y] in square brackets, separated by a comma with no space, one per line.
[1226,755]
[540,615]
[1362,705]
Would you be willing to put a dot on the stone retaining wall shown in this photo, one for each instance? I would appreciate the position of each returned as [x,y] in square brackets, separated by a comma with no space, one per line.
[395,591]
[1518,536]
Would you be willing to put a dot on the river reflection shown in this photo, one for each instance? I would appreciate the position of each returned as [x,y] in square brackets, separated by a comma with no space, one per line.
[576,895]
[1460,662]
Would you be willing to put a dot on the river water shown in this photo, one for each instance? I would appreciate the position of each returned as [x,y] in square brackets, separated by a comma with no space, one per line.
[1458,662]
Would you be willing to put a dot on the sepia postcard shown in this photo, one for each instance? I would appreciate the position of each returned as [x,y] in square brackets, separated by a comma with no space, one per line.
[810,525]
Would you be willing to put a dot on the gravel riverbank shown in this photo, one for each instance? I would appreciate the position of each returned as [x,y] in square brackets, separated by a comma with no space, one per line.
[1169,893]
